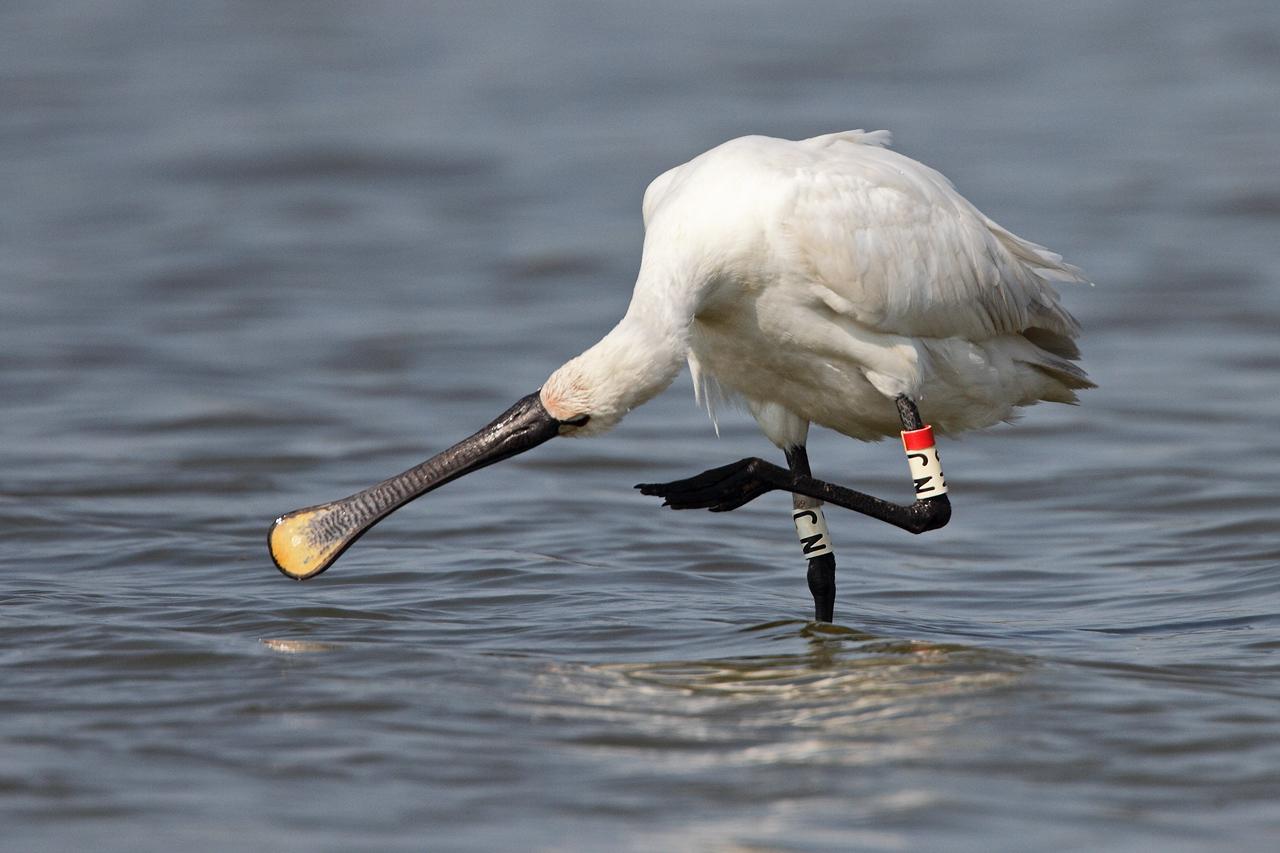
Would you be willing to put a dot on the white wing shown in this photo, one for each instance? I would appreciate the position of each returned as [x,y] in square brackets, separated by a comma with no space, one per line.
[904,253]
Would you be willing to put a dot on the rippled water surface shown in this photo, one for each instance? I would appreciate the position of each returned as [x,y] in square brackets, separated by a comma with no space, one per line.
[258,255]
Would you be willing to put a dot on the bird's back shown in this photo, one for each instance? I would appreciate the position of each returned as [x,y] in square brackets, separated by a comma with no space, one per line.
[887,234]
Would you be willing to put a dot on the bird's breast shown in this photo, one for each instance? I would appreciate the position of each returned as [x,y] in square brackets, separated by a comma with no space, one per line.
[770,359]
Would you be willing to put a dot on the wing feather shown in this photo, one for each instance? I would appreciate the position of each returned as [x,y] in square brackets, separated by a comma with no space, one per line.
[910,255]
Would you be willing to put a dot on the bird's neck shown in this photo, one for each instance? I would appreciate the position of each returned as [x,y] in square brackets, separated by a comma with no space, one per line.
[641,356]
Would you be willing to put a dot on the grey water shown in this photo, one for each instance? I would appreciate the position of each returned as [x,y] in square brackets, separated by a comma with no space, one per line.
[255,256]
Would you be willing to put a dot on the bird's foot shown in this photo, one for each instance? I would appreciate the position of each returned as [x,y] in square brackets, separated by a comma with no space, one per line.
[721,489]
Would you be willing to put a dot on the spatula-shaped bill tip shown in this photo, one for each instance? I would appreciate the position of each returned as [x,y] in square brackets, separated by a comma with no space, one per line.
[305,542]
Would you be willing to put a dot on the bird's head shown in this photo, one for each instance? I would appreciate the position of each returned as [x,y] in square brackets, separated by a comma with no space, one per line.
[590,394]
[581,399]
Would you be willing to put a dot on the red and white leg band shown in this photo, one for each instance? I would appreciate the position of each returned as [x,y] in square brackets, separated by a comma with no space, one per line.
[922,458]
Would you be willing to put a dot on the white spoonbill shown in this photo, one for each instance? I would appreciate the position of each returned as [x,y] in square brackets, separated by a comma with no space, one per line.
[826,281]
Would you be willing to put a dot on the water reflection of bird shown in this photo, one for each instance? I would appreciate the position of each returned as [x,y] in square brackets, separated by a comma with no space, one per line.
[828,281]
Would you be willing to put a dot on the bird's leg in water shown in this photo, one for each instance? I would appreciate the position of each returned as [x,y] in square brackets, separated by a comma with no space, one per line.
[730,486]
[815,541]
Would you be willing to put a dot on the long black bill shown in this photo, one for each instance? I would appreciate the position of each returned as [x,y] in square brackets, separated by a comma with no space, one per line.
[307,541]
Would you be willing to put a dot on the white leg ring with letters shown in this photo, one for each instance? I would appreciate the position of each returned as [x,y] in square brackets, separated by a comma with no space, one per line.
[811,526]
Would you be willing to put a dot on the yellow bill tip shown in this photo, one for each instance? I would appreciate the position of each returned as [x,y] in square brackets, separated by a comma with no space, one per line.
[296,549]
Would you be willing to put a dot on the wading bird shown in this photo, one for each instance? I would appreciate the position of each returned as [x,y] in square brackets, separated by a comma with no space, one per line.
[827,281]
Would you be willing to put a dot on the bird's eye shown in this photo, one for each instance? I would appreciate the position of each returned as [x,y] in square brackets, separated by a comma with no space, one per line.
[577,421]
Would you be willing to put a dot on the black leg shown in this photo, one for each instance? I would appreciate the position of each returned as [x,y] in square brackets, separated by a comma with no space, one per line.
[813,537]
[730,486]
[908,413]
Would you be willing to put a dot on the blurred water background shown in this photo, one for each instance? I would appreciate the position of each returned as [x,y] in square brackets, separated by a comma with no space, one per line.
[256,255]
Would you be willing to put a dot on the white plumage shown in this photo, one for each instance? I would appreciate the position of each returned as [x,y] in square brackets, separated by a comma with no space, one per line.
[820,279]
